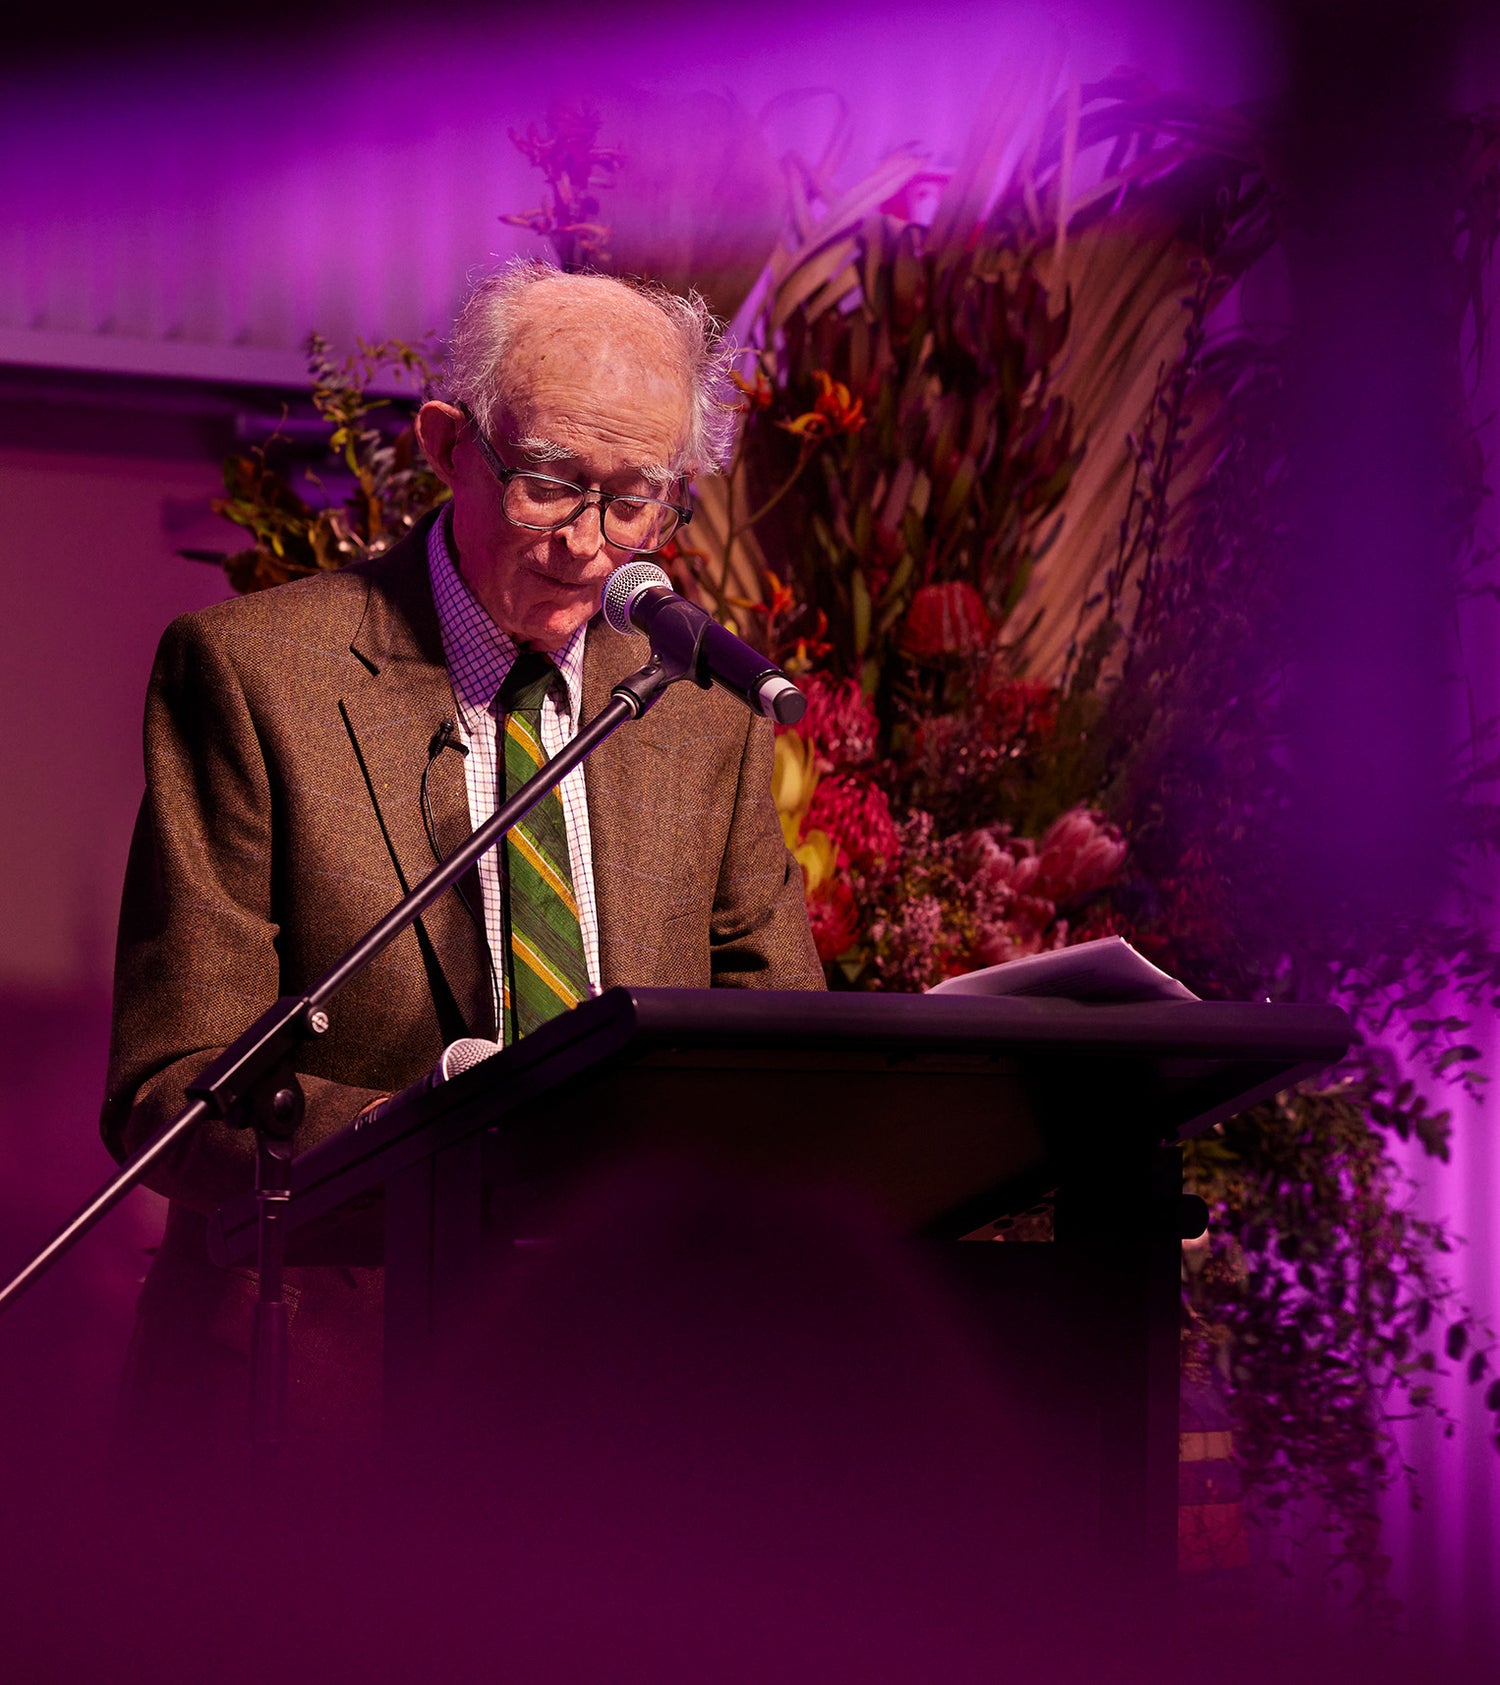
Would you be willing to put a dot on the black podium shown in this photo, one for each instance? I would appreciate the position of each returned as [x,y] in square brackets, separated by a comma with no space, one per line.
[940,1112]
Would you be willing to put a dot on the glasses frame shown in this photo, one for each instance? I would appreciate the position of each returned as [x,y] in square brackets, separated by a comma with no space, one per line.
[587,496]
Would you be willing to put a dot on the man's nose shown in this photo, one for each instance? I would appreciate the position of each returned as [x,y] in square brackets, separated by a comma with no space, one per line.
[584,534]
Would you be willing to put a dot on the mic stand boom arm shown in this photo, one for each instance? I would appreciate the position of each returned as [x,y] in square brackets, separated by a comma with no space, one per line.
[251,1084]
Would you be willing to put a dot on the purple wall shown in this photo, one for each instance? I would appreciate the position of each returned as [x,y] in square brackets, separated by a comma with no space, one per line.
[204,207]
[87,582]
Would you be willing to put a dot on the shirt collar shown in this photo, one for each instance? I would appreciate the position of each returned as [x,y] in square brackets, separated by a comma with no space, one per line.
[478,654]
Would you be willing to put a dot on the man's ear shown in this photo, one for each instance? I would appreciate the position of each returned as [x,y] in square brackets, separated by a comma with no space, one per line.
[438,427]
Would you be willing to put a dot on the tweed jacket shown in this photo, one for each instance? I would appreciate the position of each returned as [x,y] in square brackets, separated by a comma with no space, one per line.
[286,737]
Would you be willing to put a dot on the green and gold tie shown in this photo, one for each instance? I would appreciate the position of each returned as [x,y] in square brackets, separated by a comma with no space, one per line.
[544,967]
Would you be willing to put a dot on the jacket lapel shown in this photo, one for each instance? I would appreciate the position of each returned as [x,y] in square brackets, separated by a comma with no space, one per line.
[395,711]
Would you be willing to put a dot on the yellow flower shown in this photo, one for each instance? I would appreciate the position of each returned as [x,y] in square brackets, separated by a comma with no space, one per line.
[817,857]
[794,777]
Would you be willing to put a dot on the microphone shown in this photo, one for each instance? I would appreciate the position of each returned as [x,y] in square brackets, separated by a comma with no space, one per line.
[640,595]
[458,1057]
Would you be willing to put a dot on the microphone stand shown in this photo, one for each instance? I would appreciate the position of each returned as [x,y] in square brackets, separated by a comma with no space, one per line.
[252,1083]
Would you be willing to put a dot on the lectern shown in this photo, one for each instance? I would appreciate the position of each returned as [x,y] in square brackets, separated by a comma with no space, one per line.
[940,1112]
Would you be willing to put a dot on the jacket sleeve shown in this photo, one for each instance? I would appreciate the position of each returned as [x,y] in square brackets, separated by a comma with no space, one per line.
[759,935]
[197,954]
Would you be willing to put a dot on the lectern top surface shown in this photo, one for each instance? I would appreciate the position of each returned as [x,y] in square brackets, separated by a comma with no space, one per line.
[789,1017]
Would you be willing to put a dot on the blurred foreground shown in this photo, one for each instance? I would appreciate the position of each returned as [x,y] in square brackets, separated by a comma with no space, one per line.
[704,1436]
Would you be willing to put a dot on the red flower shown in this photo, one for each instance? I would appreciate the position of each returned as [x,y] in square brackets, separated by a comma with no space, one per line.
[839,723]
[857,818]
[834,919]
[1020,708]
[945,620]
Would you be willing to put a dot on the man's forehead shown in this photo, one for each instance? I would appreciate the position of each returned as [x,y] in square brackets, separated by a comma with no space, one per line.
[570,317]
[596,365]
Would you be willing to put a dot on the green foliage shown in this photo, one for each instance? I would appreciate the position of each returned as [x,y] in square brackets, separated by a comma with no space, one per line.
[390,488]
[1322,1299]
[1319,1300]
[904,432]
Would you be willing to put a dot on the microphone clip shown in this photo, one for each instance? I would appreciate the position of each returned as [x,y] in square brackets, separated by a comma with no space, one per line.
[446,737]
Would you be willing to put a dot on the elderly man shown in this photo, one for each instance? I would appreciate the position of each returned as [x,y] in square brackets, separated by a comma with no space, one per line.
[312,750]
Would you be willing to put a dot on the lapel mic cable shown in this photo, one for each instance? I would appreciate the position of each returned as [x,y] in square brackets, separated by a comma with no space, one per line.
[445,737]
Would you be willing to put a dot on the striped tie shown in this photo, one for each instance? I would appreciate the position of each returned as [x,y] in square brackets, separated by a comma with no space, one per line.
[545,970]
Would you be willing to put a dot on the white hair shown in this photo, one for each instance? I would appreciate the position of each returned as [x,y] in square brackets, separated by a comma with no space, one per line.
[479,374]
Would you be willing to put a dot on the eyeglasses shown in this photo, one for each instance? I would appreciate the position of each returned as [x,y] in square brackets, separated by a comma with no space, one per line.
[542,504]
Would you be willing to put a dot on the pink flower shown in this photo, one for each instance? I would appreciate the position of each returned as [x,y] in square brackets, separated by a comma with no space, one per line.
[909,944]
[857,816]
[1079,854]
[987,860]
[997,865]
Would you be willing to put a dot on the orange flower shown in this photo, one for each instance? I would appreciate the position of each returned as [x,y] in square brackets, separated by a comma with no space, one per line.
[758,396]
[782,596]
[834,410]
[809,651]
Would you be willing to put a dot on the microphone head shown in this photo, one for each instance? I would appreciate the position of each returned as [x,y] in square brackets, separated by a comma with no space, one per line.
[460,1056]
[622,588]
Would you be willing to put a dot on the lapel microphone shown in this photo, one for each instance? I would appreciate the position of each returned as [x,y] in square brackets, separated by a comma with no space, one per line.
[445,737]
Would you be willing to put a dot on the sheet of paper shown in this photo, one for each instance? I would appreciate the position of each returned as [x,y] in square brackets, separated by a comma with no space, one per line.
[1107,969]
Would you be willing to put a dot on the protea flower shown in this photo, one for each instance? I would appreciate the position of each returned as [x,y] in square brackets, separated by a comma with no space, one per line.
[834,919]
[945,620]
[857,815]
[839,722]
[1080,853]
[794,778]
[818,856]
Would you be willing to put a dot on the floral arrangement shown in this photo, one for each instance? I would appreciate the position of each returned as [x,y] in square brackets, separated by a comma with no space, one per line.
[910,443]
[1004,502]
